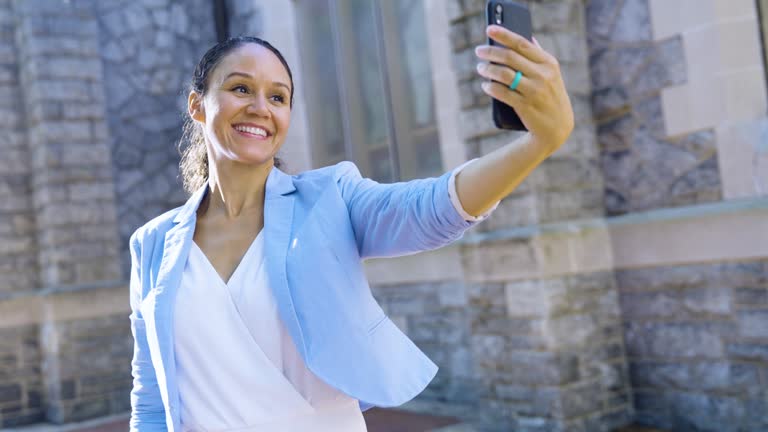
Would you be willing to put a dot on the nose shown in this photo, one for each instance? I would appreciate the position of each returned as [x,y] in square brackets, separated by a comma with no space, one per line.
[258,106]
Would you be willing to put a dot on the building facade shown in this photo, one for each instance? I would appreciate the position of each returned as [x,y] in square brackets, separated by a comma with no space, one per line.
[625,281]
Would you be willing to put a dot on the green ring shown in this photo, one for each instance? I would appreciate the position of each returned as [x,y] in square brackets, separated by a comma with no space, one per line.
[516,81]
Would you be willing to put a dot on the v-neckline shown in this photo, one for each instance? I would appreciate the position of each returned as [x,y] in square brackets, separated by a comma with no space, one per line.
[237,270]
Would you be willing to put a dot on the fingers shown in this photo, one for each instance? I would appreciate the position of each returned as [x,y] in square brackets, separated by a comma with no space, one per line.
[504,94]
[505,76]
[508,57]
[518,44]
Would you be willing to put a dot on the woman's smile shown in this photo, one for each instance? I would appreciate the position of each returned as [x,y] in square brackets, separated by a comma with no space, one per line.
[253,132]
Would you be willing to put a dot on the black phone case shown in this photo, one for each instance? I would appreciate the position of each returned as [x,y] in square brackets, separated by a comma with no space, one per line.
[517,18]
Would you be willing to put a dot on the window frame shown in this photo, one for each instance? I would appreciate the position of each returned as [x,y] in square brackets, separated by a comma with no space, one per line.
[401,141]
[762,24]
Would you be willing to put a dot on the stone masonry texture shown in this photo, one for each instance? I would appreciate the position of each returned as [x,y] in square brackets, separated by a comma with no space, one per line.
[643,167]
[149,49]
[548,354]
[697,345]
[18,251]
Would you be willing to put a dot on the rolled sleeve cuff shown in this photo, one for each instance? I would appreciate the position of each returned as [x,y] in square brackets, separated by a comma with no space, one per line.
[455,197]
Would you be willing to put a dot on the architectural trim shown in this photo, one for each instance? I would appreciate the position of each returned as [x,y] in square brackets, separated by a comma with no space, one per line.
[733,230]
[447,104]
[726,87]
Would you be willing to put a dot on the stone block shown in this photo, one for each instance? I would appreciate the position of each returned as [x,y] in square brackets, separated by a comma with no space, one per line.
[541,368]
[751,296]
[610,101]
[89,408]
[705,412]
[707,300]
[571,331]
[46,26]
[753,324]
[10,393]
[675,340]
[692,276]
[61,46]
[558,206]
[454,9]
[534,298]
[652,304]
[42,68]
[59,90]
[581,399]
[633,22]
[179,20]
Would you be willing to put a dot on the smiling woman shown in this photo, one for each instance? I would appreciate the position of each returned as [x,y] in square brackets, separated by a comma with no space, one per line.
[194,162]
[250,307]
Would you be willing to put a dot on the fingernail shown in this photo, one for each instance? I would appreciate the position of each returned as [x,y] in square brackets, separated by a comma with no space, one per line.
[480,67]
[481,49]
[486,86]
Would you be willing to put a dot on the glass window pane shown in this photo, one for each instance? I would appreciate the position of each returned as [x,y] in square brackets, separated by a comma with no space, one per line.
[364,85]
[320,81]
[370,72]
[414,48]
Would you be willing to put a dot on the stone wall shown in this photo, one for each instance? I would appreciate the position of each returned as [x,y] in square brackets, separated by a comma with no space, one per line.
[697,343]
[149,50]
[21,383]
[575,189]
[547,350]
[94,368]
[644,168]
[437,318]
[18,252]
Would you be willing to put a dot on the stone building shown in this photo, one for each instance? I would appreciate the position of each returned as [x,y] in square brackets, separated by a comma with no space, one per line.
[625,281]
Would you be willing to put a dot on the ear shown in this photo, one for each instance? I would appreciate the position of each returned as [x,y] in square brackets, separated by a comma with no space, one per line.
[195,107]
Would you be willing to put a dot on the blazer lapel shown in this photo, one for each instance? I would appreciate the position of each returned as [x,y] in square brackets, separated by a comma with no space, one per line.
[278,218]
[178,241]
[278,224]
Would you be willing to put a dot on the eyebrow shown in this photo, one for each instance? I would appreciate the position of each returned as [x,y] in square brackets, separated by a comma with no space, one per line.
[242,74]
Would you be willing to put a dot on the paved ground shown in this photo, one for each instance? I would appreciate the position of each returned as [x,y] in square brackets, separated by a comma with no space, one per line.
[378,420]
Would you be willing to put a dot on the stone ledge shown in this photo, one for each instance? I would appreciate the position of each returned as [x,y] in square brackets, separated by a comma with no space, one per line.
[724,231]
[65,303]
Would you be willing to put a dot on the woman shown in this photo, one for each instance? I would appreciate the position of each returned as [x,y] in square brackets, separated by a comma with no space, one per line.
[250,308]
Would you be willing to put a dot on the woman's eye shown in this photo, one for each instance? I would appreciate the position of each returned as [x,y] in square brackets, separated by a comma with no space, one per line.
[240,87]
[279,98]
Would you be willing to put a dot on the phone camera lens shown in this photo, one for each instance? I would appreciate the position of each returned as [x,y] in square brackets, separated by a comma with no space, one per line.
[498,8]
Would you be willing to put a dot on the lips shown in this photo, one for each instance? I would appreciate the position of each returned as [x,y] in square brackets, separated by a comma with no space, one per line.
[250,130]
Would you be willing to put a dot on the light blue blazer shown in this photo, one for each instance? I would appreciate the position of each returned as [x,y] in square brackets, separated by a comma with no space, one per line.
[318,226]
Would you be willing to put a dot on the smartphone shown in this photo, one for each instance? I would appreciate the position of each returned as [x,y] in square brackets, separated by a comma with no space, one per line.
[517,18]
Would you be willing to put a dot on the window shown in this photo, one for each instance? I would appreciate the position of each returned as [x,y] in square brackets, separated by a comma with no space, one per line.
[762,16]
[368,83]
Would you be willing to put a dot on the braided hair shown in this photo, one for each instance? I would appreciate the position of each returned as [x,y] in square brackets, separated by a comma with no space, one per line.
[194,157]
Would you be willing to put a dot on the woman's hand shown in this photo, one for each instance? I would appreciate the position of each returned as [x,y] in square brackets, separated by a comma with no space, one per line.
[540,99]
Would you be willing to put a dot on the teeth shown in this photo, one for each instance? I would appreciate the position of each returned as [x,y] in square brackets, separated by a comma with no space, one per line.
[252,130]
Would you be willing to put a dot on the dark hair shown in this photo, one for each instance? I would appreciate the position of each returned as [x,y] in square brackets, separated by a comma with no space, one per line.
[194,157]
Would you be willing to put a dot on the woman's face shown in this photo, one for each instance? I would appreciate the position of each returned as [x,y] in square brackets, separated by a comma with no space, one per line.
[246,110]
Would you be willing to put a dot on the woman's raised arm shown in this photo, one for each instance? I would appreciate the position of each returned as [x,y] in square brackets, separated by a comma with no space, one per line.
[543,105]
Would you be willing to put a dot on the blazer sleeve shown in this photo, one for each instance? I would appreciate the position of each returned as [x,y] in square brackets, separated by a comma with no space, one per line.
[147,411]
[399,218]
